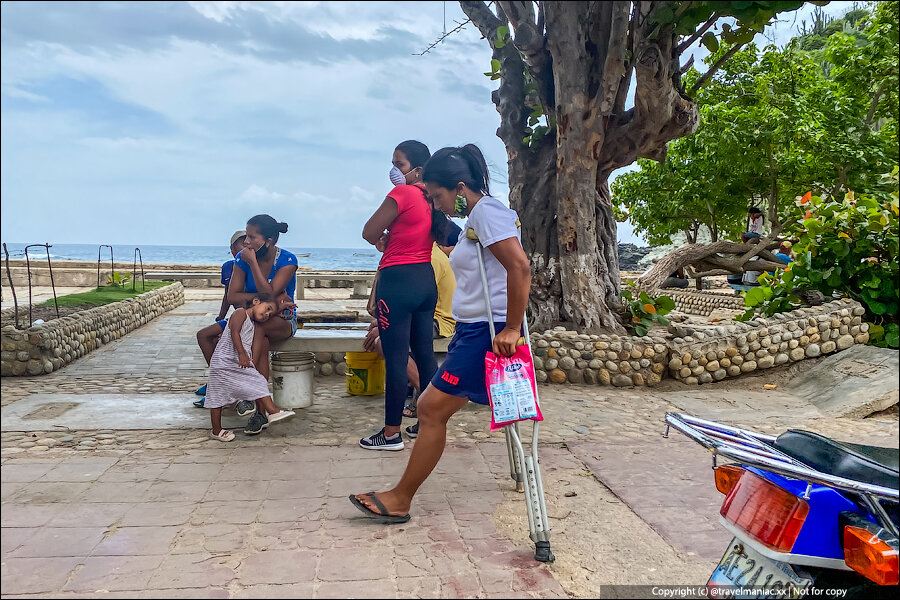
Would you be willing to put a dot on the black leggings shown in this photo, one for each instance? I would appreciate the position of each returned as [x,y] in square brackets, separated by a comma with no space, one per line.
[406,296]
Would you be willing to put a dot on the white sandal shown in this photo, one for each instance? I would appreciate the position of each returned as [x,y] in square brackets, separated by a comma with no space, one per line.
[223,436]
[280,416]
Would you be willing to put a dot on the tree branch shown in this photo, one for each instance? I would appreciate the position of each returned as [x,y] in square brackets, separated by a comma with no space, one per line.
[510,97]
[443,37]
[531,41]
[697,35]
[712,70]
[875,98]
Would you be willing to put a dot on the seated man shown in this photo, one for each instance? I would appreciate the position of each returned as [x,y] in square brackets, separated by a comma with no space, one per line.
[208,337]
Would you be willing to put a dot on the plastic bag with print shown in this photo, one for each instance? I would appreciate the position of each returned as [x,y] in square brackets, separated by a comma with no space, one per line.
[511,388]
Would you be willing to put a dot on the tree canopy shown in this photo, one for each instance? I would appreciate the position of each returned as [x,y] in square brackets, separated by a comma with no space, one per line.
[775,123]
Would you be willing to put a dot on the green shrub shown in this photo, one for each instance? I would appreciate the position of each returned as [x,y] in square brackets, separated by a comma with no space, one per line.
[642,312]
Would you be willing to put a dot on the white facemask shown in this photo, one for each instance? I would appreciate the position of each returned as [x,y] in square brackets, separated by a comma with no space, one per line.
[397,176]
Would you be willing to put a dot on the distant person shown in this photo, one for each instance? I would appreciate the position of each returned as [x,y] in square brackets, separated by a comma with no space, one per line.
[264,267]
[755,222]
[457,179]
[405,228]
[784,254]
[443,322]
[232,378]
[676,279]
[209,336]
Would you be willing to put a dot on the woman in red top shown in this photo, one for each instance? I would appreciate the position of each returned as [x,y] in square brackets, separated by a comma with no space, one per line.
[405,293]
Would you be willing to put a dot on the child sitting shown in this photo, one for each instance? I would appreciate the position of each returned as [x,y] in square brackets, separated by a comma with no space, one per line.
[232,377]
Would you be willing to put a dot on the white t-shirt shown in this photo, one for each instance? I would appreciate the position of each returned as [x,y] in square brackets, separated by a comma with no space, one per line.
[756,225]
[492,222]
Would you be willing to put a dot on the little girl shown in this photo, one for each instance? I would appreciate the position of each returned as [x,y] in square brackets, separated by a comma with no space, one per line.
[232,378]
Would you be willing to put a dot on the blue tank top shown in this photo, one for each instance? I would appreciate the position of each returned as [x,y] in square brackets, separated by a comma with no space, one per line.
[283,258]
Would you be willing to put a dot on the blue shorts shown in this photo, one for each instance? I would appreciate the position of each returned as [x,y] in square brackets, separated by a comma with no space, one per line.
[223,323]
[751,234]
[462,372]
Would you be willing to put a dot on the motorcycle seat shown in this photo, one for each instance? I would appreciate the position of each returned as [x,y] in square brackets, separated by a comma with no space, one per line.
[867,464]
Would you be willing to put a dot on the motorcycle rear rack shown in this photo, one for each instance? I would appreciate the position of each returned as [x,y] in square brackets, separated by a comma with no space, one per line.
[757,450]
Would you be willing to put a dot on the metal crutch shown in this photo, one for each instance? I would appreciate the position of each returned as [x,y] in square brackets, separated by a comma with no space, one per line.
[524,469]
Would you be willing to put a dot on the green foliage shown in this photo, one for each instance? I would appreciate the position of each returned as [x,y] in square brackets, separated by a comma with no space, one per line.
[645,310]
[775,294]
[674,16]
[118,278]
[849,246]
[773,125]
[105,295]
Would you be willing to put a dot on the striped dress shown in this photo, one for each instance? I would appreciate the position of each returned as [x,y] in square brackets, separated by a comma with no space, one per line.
[228,382]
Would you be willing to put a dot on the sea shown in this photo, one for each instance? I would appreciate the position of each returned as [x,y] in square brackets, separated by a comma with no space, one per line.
[320,259]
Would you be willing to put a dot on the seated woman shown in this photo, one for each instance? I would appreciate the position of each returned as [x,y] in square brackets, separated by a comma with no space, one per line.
[264,267]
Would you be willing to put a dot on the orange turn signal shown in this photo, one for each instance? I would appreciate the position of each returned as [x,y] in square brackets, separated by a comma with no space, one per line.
[727,476]
[870,556]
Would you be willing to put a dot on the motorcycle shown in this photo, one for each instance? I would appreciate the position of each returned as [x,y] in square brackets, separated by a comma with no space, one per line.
[809,515]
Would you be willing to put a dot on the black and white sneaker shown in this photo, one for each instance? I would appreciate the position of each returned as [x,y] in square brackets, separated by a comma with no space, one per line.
[413,430]
[377,441]
[256,424]
[245,407]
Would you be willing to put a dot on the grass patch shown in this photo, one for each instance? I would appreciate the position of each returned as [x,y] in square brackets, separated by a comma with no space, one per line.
[107,294]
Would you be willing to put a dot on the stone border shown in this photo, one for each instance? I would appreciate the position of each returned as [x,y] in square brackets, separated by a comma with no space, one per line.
[562,356]
[47,347]
[770,342]
[698,354]
[699,302]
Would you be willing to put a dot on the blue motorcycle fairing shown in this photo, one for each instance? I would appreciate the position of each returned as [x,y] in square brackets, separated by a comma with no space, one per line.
[821,534]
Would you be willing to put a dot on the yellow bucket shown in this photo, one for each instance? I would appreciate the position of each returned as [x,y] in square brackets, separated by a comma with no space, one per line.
[365,374]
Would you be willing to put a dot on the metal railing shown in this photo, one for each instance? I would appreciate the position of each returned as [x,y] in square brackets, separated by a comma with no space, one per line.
[52,284]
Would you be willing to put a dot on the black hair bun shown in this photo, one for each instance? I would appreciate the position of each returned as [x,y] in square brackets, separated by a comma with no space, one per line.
[282,227]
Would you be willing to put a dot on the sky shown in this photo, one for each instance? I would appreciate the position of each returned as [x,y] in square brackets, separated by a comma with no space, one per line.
[172,123]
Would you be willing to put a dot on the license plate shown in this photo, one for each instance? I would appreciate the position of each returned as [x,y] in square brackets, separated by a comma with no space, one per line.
[744,573]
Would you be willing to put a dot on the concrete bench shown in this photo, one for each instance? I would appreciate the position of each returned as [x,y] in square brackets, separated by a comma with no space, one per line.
[174,275]
[361,282]
[326,339]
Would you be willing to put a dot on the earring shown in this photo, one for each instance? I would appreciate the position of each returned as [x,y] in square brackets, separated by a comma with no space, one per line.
[461,205]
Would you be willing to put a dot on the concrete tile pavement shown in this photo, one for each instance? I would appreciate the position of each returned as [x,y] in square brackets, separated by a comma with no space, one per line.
[256,522]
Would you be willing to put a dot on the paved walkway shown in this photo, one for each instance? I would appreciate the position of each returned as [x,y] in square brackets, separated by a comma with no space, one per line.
[132,499]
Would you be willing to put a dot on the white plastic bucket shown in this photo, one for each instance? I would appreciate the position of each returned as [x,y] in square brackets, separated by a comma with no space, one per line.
[293,384]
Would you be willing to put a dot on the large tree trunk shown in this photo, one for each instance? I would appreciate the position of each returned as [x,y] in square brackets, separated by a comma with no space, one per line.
[580,56]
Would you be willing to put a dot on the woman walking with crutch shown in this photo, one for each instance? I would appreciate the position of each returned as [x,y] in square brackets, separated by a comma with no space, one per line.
[457,181]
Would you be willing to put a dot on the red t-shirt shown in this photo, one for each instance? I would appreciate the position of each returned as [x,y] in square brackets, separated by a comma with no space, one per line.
[410,241]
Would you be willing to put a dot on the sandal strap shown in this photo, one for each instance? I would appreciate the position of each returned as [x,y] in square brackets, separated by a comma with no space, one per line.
[382,510]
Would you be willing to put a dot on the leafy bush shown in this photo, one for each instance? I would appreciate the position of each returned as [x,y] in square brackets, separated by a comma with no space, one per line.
[118,278]
[642,312]
[849,246]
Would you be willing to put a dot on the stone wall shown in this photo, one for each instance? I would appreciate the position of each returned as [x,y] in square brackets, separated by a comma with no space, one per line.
[47,347]
[698,354]
[699,302]
[562,356]
[735,349]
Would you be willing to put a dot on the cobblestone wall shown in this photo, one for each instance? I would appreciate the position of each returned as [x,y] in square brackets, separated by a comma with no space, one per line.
[698,354]
[47,347]
[562,356]
[729,351]
[699,302]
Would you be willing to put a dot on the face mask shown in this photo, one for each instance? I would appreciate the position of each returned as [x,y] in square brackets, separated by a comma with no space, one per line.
[397,176]
[262,251]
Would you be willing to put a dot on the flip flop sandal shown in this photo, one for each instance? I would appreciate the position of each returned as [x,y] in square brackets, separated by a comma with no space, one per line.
[223,436]
[200,403]
[382,515]
[409,411]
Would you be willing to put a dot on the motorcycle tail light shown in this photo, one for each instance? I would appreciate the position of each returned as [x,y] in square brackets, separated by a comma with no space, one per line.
[727,476]
[870,556]
[769,514]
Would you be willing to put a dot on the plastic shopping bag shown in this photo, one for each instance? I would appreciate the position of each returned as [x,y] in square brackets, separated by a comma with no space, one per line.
[511,387]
